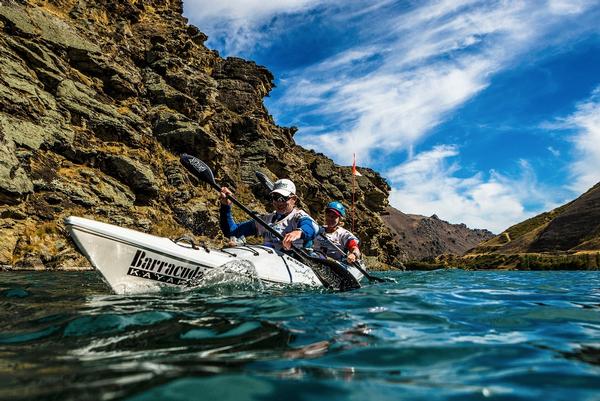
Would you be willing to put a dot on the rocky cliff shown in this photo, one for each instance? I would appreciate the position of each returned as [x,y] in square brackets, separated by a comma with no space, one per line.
[422,237]
[98,99]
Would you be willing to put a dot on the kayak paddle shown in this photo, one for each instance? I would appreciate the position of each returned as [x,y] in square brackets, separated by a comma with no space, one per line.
[265,180]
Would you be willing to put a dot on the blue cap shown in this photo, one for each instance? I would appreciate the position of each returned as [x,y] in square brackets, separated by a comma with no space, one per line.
[337,207]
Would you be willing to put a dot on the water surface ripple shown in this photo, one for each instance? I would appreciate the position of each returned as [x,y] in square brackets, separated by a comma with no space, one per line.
[438,335]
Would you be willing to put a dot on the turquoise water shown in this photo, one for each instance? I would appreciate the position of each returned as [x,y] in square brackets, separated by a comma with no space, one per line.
[443,335]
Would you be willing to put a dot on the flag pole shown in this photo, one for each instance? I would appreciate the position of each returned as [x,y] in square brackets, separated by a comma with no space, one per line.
[353,186]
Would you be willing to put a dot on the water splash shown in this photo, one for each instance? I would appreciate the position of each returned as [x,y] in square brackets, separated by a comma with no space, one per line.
[237,275]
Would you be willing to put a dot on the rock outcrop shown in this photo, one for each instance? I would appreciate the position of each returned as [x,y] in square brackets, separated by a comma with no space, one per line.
[98,99]
[425,238]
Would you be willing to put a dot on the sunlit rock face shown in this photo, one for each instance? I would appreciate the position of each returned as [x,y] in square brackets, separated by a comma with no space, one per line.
[97,101]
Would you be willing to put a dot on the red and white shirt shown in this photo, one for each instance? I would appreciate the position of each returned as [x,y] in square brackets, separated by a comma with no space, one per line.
[341,237]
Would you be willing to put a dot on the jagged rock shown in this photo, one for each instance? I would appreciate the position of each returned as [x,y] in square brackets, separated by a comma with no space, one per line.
[131,172]
[46,65]
[21,94]
[33,136]
[322,168]
[333,192]
[118,81]
[197,37]
[241,83]
[8,242]
[14,182]
[198,85]
[259,78]
[198,217]
[161,93]
[374,197]
[181,135]
[121,87]
[37,22]
[424,238]
[101,189]
[106,122]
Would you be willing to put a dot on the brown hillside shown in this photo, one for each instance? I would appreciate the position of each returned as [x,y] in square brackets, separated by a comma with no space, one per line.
[422,237]
[577,224]
[572,227]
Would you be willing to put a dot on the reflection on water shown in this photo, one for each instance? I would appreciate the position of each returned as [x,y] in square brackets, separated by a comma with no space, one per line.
[429,335]
[586,353]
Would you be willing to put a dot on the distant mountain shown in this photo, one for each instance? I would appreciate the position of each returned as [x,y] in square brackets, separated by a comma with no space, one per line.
[571,228]
[422,237]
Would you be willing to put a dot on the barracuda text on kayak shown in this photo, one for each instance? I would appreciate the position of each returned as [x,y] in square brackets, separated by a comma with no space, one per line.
[153,268]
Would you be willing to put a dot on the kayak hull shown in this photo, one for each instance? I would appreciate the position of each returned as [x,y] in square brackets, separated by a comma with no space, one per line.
[134,262]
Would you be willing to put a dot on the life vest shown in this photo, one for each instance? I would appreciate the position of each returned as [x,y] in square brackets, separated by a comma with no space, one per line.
[339,237]
[283,226]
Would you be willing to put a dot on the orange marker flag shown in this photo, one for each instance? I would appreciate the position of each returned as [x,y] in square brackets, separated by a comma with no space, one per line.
[354,171]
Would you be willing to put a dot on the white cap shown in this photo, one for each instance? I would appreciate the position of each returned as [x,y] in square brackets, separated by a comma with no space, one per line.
[284,187]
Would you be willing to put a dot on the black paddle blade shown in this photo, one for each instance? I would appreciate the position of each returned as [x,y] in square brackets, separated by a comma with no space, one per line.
[264,180]
[198,168]
[333,274]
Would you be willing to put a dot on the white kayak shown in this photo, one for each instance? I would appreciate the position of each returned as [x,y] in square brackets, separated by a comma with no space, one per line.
[136,262]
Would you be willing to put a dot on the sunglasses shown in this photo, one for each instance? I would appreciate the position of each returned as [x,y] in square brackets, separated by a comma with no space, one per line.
[280,198]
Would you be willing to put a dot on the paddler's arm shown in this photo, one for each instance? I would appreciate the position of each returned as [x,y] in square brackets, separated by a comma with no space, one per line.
[353,251]
[307,230]
[232,229]
[228,225]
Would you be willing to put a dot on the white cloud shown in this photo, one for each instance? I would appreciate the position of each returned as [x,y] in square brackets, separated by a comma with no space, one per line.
[584,134]
[585,169]
[555,152]
[391,112]
[422,65]
[569,6]
[244,9]
[240,24]
[430,182]
[409,69]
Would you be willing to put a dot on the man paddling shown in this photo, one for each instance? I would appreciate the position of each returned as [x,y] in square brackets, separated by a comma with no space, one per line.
[295,225]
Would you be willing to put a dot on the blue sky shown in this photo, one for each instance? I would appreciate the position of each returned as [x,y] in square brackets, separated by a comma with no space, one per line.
[482,112]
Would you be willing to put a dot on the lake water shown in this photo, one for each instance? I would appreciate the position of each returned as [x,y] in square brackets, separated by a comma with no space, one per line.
[442,335]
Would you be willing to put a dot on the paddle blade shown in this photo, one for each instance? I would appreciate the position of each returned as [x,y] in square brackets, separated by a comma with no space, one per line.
[333,274]
[198,168]
[264,180]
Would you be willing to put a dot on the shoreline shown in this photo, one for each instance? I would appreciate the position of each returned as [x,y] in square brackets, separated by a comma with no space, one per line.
[586,260]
